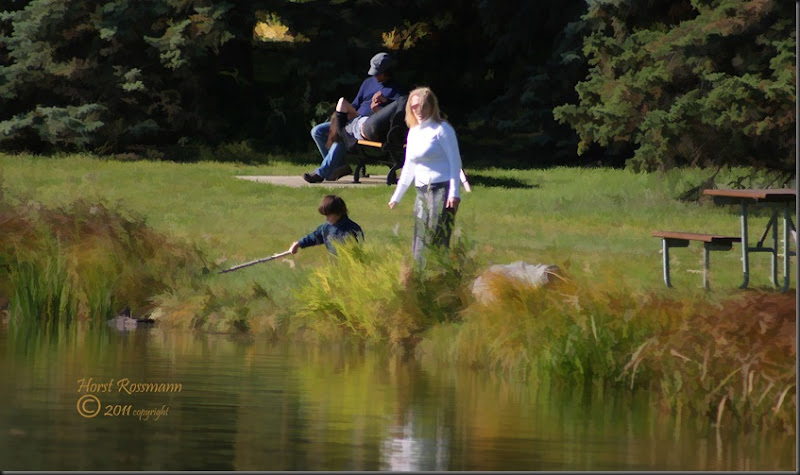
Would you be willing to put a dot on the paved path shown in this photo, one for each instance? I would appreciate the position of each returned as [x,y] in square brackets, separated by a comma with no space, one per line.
[297,181]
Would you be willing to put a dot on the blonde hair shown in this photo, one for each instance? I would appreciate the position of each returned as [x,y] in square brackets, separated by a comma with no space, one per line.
[428,101]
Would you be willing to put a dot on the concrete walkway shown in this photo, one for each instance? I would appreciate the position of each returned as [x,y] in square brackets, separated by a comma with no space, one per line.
[297,181]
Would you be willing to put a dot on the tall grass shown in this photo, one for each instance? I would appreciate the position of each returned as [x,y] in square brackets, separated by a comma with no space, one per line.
[734,368]
[84,262]
[561,329]
[359,293]
[43,300]
[731,368]
[373,292]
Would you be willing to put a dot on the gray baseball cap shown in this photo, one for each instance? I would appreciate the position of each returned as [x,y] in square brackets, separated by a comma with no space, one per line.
[379,63]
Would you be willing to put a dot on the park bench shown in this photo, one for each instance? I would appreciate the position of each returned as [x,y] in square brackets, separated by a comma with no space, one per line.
[711,242]
[388,153]
[391,152]
[392,158]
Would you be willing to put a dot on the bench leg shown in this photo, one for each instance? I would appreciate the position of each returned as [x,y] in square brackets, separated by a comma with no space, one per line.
[391,177]
[667,243]
[358,172]
[772,231]
[397,163]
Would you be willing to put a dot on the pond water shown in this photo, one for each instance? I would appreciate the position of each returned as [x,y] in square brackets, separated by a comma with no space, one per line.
[218,402]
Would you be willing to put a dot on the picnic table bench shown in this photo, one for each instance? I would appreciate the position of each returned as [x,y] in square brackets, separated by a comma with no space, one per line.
[780,201]
[711,242]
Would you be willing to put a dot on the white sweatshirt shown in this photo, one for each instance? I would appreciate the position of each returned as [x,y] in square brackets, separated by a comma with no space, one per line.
[432,156]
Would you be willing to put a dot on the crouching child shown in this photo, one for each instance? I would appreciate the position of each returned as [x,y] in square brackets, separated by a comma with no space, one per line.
[337,227]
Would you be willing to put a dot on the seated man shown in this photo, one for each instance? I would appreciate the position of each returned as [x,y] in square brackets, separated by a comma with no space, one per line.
[374,127]
[375,92]
[346,128]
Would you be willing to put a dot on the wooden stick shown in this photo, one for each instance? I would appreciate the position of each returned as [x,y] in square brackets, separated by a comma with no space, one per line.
[257,261]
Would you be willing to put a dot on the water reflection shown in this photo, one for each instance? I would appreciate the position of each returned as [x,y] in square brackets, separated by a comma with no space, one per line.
[246,404]
[403,450]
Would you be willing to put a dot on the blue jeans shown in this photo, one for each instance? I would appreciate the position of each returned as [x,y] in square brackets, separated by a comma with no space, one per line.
[433,223]
[332,158]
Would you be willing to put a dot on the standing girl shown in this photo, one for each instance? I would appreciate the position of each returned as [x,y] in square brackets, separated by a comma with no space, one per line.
[433,163]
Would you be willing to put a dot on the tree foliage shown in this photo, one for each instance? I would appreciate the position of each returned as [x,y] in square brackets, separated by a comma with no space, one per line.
[656,82]
[101,74]
[700,82]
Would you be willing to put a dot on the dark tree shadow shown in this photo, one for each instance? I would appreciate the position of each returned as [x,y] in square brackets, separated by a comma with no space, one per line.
[482,180]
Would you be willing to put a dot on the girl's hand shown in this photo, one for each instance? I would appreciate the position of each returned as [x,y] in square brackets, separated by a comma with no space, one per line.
[453,203]
[294,247]
[392,204]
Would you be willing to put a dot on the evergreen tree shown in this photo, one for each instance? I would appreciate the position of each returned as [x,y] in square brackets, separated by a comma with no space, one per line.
[697,82]
[103,74]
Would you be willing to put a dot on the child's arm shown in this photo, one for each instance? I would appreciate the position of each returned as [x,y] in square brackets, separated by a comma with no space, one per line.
[312,239]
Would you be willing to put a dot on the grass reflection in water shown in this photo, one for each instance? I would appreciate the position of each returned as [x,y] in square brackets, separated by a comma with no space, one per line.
[247,404]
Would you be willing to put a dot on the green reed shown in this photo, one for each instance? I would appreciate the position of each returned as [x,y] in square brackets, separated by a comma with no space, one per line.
[44,300]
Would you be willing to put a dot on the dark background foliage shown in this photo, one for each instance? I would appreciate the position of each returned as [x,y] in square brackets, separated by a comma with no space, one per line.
[650,83]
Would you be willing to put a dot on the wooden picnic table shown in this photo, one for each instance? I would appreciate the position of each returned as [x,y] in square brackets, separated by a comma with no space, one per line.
[781,201]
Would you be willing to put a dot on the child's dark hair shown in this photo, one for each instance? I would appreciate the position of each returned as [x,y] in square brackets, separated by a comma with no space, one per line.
[332,204]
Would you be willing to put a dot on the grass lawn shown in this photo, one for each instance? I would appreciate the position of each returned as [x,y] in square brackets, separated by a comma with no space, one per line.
[596,222]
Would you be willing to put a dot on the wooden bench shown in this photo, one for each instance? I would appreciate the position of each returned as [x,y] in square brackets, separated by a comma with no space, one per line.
[711,242]
[395,162]
[369,152]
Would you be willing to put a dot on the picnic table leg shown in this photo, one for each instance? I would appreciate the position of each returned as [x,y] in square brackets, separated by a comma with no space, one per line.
[665,253]
[745,248]
[773,222]
[706,262]
[787,221]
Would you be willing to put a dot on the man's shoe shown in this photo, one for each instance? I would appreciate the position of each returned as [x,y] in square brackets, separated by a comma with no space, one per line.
[340,172]
[312,177]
